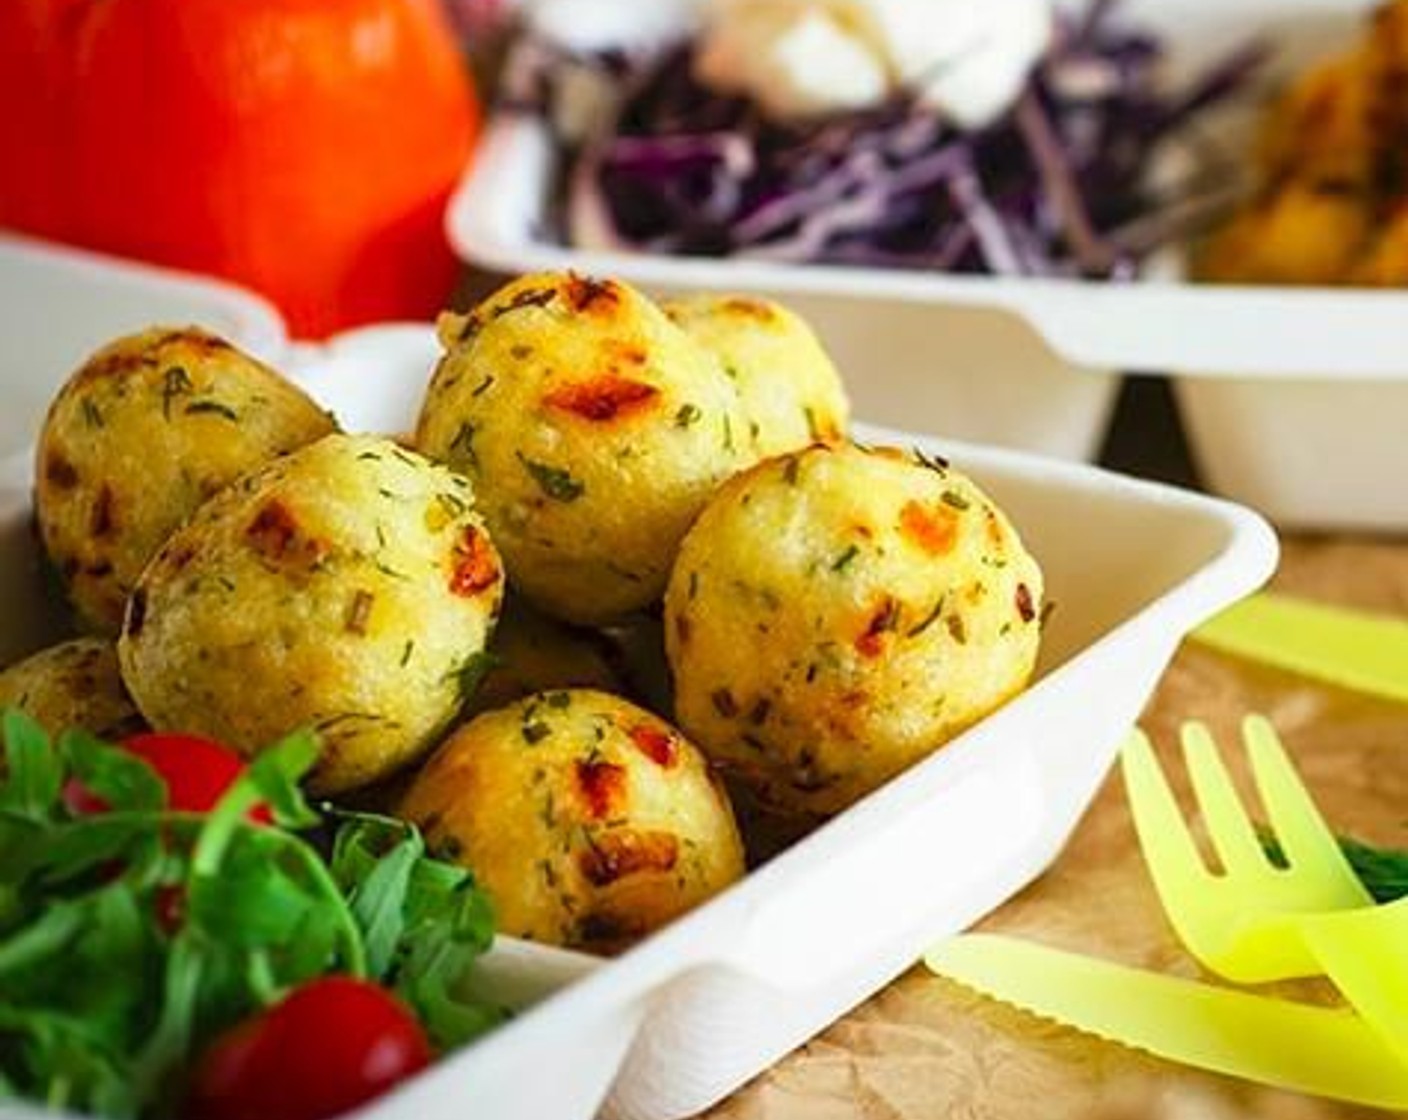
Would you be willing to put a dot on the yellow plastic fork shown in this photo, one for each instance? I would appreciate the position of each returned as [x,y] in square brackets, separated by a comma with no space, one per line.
[1244,922]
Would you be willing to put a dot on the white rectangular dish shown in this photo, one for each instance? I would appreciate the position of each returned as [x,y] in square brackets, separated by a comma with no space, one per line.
[1287,394]
[674,1025]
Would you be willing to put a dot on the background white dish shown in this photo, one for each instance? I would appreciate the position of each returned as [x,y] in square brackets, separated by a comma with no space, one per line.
[699,1008]
[1287,394]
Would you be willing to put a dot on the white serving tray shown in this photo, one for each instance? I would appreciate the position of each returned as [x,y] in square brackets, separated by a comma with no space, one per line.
[1287,393]
[693,1012]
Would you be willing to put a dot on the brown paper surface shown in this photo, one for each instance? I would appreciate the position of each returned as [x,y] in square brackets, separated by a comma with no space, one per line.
[925,1047]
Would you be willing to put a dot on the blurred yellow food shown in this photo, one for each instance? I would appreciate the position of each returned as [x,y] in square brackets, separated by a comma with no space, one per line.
[1333,170]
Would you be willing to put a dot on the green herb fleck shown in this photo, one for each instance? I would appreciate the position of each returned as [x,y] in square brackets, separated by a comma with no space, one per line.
[928,620]
[175,382]
[955,499]
[556,483]
[91,415]
[452,504]
[724,703]
[483,387]
[842,562]
[956,628]
[214,408]
[471,674]
[936,463]
[687,415]
[535,732]
[464,443]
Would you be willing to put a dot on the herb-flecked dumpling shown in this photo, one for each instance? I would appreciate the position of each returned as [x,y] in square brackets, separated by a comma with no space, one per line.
[594,431]
[72,684]
[348,587]
[589,821]
[837,614]
[146,430]
[792,394]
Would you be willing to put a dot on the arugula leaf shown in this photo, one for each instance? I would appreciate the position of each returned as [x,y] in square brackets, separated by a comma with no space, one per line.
[255,902]
[1383,871]
[378,896]
[275,773]
[34,773]
[46,938]
[129,938]
[120,778]
[441,922]
[56,1052]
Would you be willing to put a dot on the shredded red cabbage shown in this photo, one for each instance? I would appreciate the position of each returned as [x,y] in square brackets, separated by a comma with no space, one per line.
[1058,187]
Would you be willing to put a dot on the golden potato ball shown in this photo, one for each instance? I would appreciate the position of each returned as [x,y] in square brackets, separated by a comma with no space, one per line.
[1385,265]
[837,614]
[73,684]
[1301,234]
[348,587]
[1322,129]
[534,653]
[792,394]
[593,429]
[589,821]
[146,430]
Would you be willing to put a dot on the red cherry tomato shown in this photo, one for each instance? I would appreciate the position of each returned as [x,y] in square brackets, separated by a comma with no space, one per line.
[197,772]
[330,1046]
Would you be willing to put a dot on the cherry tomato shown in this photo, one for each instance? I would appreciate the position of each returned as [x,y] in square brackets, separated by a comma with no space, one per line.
[197,772]
[331,1045]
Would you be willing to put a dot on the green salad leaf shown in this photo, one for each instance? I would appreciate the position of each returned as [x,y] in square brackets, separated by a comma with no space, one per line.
[426,922]
[130,938]
[1383,871]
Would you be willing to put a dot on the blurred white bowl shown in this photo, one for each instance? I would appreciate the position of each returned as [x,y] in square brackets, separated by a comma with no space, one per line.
[1293,399]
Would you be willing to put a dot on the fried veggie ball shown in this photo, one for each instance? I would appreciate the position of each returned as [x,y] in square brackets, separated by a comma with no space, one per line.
[73,684]
[145,431]
[791,392]
[588,820]
[837,614]
[348,587]
[534,653]
[1299,234]
[593,429]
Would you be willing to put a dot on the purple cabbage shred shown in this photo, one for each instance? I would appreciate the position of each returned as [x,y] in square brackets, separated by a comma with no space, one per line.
[1059,186]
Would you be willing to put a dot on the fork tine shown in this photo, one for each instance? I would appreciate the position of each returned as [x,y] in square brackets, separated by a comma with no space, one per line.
[1304,836]
[1174,862]
[1229,827]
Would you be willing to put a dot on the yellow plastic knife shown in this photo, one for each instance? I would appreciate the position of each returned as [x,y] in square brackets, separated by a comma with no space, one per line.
[1326,1051]
[1352,649]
